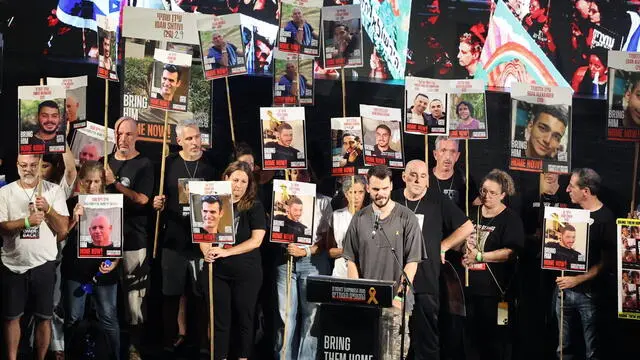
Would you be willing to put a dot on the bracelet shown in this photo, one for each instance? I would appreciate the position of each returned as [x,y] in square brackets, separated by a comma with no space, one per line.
[443,251]
[398,298]
[26,223]
[48,210]
[479,256]
[308,251]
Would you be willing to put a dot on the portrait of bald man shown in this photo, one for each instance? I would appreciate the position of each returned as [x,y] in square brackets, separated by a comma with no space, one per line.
[100,230]
[72,105]
[89,152]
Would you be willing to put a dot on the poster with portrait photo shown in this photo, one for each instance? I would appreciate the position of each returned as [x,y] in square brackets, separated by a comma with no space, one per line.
[87,143]
[284,145]
[382,130]
[145,31]
[467,110]
[107,46]
[293,205]
[342,37]
[259,40]
[540,128]
[285,91]
[76,100]
[100,226]
[300,26]
[41,125]
[628,268]
[212,219]
[221,46]
[623,121]
[170,80]
[347,157]
[425,104]
[565,243]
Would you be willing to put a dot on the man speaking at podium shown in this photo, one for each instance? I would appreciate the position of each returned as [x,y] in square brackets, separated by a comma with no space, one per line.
[374,234]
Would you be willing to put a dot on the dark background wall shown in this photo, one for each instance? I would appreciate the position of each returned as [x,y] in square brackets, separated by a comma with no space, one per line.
[24,65]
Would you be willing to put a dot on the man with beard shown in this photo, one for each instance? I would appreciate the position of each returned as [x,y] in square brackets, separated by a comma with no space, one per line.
[444,226]
[301,32]
[564,250]
[382,147]
[372,234]
[179,255]
[282,149]
[131,174]
[49,122]
[105,61]
[31,224]
[291,221]
[435,106]
[446,178]
[353,150]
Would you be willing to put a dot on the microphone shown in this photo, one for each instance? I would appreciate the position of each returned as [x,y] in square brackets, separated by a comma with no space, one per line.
[376,222]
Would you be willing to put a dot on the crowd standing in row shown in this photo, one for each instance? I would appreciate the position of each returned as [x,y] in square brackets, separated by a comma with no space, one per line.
[425,222]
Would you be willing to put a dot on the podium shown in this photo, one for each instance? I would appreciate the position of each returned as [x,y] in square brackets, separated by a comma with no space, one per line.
[348,320]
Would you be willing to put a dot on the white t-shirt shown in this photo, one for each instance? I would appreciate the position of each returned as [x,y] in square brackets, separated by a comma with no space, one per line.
[18,254]
[340,221]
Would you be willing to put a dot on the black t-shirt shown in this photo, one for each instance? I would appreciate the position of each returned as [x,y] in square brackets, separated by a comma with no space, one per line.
[441,218]
[504,230]
[602,247]
[177,224]
[390,153]
[562,253]
[290,226]
[136,174]
[282,152]
[81,270]
[250,263]
[454,188]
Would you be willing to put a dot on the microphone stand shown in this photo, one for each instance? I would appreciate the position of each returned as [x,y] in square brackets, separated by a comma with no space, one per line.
[405,283]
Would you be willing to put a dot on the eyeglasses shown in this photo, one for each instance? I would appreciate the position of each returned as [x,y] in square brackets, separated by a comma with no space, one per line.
[24,166]
[486,192]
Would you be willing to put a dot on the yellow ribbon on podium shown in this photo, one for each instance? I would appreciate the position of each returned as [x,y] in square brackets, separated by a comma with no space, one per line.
[372,296]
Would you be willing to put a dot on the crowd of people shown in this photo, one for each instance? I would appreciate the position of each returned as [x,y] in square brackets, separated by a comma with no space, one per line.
[425,222]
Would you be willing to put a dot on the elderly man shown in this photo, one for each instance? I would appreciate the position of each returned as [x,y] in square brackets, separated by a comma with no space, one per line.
[132,175]
[301,31]
[89,152]
[100,231]
[444,226]
[72,105]
[222,52]
[444,176]
[288,83]
[33,218]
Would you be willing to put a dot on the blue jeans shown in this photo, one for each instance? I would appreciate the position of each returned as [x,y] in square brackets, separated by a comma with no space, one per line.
[578,305]
[300,343]
[105,299]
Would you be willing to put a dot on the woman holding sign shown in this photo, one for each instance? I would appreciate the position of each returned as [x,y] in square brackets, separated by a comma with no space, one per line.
[490,257]
[89,275]
[237,268]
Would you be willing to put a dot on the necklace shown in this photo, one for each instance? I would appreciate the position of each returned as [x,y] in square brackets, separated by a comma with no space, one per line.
[26,193]
[195,171]
[438,180]
[418,204]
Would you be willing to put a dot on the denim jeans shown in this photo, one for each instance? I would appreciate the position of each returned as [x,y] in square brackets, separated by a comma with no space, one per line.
[580,306]
[300,343]
[105,299]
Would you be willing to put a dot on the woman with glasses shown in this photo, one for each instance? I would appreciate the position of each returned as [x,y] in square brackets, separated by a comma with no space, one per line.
[490,256]
[237,268]
[79,272]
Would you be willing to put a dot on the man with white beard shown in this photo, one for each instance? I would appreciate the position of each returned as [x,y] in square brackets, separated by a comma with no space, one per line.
[31,223]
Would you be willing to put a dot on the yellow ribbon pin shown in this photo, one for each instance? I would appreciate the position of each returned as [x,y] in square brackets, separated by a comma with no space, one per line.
[372,296]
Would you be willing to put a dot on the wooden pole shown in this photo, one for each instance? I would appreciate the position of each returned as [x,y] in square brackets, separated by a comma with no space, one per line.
[298,79]
[635,178]
[562,318]
[106,123]
[40,160]
[283,353]
[162,168]
[211,325]
[466,200]
[233,136]
[344,93]
[426,152]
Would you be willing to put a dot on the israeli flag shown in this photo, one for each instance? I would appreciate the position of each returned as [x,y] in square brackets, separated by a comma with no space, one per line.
[82,13]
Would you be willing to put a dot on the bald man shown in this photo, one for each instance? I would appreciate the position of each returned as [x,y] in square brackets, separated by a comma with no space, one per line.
[444,227]
[100,231]
[72,105]
[88,152]
[132,175]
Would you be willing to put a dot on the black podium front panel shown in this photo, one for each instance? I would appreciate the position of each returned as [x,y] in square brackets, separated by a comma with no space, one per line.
[348,332]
